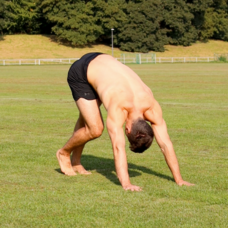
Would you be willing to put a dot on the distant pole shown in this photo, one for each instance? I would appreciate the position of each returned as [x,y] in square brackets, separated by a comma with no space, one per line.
[112,39]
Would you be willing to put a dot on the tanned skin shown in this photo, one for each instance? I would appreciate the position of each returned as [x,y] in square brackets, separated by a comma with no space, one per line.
[126,98]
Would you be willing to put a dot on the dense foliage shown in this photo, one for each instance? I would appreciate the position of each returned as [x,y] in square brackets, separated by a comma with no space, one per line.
[143,30]
[140,25]
[2,21]
[20,16]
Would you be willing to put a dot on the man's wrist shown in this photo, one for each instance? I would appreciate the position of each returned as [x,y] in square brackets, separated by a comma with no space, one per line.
[126,184]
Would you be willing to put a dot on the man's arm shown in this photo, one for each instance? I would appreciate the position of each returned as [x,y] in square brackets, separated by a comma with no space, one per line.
[164,142]
[115,121]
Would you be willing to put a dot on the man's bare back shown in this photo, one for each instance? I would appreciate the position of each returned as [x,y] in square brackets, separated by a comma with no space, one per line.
[117,84]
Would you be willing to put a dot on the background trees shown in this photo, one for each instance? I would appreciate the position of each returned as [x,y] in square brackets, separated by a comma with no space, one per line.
[143,29]
[73,21]
[2,16]
[83,22]
[140,25]
[216,21]
[20,16]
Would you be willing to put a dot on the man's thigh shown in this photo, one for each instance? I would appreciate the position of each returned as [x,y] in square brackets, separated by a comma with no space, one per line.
[90,111]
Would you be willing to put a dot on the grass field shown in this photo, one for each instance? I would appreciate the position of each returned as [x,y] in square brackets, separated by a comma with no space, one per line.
[40,46]
[37,116]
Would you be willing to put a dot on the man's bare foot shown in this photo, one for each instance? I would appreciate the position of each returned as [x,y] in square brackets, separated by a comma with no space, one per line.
[80,169]
[65,163]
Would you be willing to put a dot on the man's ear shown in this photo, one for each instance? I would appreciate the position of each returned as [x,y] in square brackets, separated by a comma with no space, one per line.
[127,128]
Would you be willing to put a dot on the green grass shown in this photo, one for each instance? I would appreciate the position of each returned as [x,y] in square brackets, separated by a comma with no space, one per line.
[37,116]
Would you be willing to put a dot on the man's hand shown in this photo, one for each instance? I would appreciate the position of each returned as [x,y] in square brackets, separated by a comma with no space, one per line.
[132,188]
[182,182]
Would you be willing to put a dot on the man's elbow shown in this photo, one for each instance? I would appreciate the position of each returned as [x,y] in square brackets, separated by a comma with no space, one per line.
[163,149]
[118,148]
[166,147]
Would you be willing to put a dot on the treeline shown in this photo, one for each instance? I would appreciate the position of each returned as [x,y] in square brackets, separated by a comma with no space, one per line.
[139,25]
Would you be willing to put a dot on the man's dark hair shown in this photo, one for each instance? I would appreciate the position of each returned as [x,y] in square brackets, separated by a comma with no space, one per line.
[141,136]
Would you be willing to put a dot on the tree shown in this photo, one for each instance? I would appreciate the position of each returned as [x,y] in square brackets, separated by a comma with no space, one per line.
[143,30]
[83,22]
[208,27]
[110,15]
[74,21]
[20,16]
[2,21]
[220,18]
[199,9]
[178,21]
[215,23]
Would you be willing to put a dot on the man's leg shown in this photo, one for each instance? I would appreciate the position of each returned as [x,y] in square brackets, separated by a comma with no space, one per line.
[90,129]
[77,153]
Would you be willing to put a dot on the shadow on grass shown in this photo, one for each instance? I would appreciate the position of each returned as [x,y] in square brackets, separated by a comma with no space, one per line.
[64,42]
[106,167]
[1,37]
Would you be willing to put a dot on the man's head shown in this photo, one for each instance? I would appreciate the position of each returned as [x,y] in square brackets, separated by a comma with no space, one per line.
[140,136]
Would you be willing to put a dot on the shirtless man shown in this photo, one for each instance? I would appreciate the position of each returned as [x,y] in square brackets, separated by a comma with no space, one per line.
[98,79]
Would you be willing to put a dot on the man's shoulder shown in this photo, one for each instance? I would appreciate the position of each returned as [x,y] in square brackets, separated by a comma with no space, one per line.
[154,112]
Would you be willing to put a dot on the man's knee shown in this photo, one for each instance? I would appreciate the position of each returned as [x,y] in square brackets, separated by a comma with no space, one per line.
[95,131]
[90,133]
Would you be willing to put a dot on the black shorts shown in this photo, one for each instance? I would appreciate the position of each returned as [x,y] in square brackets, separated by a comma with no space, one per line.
[77,78]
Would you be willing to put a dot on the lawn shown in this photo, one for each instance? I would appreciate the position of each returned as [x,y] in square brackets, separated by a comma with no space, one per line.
[37,116]
[44,46]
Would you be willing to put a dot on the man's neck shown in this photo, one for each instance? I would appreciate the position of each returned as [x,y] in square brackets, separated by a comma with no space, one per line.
[132,117]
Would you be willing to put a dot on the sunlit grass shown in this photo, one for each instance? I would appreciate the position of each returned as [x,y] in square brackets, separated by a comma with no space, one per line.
[22,46]
[37,116]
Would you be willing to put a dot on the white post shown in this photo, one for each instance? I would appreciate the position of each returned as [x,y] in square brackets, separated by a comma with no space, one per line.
[4,62]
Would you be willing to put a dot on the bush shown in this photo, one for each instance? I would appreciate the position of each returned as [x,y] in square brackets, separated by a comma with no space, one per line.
[222,59]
